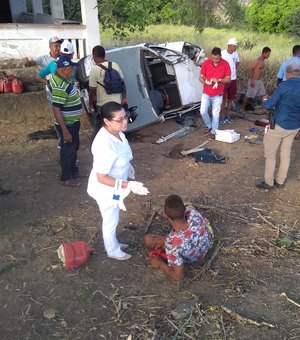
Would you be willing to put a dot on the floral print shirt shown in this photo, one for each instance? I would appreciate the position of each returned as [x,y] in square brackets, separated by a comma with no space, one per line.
[192,244]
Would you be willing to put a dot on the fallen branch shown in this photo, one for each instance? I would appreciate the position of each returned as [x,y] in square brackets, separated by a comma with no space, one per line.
[290,300]
[179,331]
[197,148]
[148,226]
[208,263]
[268,222]
[221,211]
[243,320]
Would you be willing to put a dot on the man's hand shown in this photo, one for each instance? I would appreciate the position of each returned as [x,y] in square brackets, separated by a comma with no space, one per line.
[67,136]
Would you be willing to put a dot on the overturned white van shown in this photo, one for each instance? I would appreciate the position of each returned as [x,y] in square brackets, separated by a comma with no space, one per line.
[161,82]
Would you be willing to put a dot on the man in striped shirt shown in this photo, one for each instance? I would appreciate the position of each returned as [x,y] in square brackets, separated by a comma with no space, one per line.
[67,110]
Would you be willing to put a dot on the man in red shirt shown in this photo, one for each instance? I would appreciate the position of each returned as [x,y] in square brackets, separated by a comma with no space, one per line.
[215,73]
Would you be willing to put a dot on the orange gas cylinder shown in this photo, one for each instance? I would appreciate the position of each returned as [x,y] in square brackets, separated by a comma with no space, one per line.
[7,87]
[74,254]
[17,86]
[1,85]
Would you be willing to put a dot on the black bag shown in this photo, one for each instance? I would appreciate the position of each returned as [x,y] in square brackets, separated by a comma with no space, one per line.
[113,82]
[271,118]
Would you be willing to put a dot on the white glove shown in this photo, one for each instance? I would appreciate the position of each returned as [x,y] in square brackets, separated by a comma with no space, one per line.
[137,188]
[119,195]
[207,82]
[131,172]
[215,86]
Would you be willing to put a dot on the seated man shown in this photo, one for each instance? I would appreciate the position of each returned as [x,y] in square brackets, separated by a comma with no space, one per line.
[188,242]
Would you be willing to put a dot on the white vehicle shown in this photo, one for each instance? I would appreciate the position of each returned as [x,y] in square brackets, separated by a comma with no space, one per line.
[161,82]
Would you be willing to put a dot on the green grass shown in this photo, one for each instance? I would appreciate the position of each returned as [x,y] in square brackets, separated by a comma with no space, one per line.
[251,44]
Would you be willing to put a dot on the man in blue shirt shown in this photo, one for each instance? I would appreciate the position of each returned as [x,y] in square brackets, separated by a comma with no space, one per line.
[295,59]
[286,102]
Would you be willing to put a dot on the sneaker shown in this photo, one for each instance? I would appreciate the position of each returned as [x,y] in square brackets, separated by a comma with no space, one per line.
[120,258]
[212,136]
[279,186]
[207,131]
[222,121]
[264,186]
[72,182]
[229,119]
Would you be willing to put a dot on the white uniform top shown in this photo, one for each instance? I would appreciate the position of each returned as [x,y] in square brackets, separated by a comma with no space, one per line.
[112,157]
[43,60]
[97,75]
[232,59]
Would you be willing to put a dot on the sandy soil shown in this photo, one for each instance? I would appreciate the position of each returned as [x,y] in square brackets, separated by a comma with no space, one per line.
[114,300]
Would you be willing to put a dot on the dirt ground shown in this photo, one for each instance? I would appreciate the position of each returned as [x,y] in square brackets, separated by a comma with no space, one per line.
[238,296]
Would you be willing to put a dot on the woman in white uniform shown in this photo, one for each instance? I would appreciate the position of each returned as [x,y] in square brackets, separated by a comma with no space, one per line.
[108,183]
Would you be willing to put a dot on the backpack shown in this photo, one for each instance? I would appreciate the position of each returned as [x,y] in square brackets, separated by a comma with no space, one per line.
[113,82]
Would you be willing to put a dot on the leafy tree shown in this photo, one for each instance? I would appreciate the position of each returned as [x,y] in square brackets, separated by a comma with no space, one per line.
[270,15]
[292,25]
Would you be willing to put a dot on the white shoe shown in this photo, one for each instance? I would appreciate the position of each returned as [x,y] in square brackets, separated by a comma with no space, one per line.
[120,258]
[124,246]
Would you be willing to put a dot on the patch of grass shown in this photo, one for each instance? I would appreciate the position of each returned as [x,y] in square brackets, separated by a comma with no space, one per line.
[251,44]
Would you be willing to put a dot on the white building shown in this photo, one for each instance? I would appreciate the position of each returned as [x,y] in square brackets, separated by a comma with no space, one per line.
[25,29]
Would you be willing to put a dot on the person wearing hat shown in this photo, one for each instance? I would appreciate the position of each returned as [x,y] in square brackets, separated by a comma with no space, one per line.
[230,90]
[44,60]
[67,111]
[286,102]
[66,49]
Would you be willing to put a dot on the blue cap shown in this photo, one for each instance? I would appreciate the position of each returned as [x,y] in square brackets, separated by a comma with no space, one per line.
[65,61]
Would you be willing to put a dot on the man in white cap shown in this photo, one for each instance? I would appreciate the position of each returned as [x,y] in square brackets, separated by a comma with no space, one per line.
[66,49]
[44,60]
[230,90]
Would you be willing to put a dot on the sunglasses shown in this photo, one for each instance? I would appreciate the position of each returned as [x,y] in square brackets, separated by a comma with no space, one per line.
[120,119]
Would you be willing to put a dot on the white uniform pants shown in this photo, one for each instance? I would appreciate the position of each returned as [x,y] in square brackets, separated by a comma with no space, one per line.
[110,220]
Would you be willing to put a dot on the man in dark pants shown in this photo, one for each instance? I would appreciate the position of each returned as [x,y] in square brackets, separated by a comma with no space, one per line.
[286,102]
[67,110]
[96,87]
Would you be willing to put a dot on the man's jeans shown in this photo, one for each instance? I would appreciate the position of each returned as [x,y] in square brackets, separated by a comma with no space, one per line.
[215,102]
[68,152]
[273,140]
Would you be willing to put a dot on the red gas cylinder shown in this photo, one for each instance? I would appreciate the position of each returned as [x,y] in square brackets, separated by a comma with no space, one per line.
[74,254]
[7,87]
[17,86]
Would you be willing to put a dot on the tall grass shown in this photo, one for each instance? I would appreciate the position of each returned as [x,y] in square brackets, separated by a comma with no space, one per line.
[251,44]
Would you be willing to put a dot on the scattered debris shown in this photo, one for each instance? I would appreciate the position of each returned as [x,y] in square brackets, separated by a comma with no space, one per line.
[244,320]
[179,133]
[148,226]
[208,156]
[209,262]
[49,313]
[227,136]
[42,134]
[286,241]
[5,266]
[290,300]
[184,309]
[196,149]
